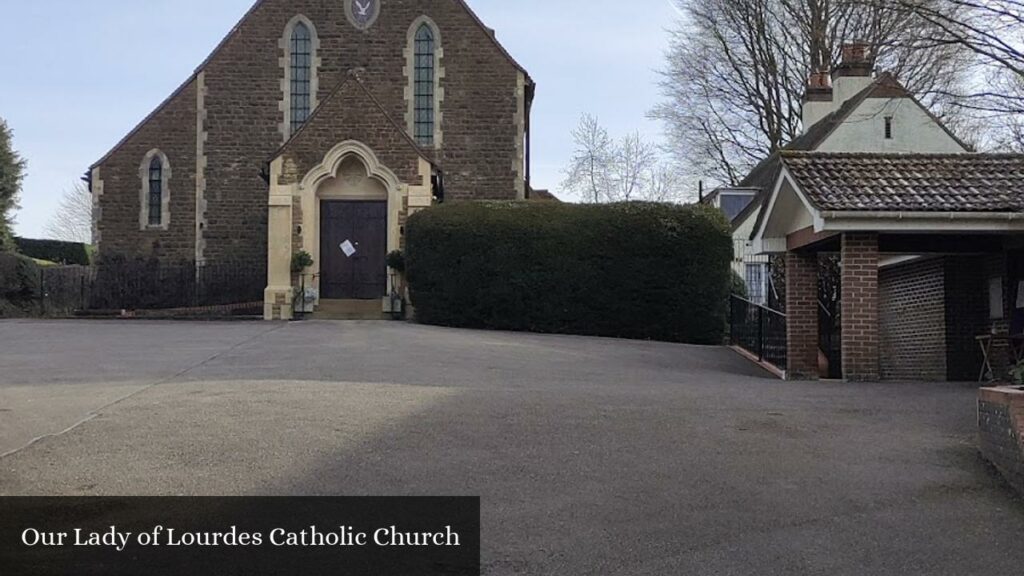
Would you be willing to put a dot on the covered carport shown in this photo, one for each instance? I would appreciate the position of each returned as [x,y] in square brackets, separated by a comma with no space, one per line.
[930,249]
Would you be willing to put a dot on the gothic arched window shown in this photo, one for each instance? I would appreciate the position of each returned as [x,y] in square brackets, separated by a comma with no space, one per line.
[156,192]
[301,75]
[424,113]
[155,195]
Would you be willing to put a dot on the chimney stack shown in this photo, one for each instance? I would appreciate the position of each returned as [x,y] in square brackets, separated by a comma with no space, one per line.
[855,72]
[818,101]
[827,93]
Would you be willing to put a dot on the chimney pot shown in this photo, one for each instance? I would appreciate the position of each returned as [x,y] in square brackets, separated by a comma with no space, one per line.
[857,60]
[857,53]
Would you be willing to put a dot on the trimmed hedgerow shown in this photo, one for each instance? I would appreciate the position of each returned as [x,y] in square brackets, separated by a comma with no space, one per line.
[636,270]
[19,284]
[72,253]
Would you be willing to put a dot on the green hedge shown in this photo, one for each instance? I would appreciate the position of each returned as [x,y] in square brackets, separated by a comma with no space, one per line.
[19,284]
[644,271]
[55,251]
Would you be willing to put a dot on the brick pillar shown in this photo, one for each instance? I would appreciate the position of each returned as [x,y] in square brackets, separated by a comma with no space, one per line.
[860,307]
[802,316]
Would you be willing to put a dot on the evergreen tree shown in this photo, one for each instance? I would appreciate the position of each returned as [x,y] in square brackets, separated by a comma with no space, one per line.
[12,171]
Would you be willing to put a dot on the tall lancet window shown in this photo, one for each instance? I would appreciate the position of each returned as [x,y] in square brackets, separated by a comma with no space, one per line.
[424,113]
[301,50]
[156,191]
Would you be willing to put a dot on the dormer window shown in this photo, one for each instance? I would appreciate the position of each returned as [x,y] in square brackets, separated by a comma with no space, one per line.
[888,127]
[733,203]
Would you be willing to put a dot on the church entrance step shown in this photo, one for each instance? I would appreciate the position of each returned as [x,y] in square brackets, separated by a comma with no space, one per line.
[349,310]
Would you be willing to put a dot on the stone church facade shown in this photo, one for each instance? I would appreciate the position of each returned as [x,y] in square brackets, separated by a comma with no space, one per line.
[316,121]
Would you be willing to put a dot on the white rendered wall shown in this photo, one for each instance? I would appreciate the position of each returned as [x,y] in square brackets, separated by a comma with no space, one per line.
[914,131]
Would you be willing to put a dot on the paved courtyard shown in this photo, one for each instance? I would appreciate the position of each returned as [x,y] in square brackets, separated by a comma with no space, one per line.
[592,456]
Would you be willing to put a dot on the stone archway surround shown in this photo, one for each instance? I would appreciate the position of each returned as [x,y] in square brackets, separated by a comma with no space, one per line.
[294,218]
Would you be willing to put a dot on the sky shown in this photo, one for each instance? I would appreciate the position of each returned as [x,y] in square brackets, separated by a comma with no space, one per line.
[76,76]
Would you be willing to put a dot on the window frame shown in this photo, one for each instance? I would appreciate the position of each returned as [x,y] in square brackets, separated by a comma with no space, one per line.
[291,87]
[424,95]
[300,63]
[154,159]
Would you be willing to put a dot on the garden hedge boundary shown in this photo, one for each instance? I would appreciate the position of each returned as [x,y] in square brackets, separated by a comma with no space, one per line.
[635,270]
[70,253]
[19,284]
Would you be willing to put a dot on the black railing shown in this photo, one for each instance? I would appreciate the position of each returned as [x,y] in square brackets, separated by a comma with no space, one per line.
[149,285]
[759,330]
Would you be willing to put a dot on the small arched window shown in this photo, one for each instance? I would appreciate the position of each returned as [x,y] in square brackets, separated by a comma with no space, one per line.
[424,113]
[156,192]
[301,51]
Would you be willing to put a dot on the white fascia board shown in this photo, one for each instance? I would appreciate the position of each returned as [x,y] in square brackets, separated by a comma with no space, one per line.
[923,222]
[768,246]
[763,245]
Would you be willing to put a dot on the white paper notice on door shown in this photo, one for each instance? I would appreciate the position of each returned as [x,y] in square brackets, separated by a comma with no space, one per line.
[348,248]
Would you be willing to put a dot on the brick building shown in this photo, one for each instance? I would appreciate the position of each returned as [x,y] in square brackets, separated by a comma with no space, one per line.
[929,236]
[851,110]
[932,259]
[319,126]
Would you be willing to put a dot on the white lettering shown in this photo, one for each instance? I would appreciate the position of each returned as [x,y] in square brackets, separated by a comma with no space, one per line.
[33,537]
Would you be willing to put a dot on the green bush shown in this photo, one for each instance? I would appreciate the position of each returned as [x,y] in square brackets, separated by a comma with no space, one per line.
[55,251]
[644,271]
[19,281]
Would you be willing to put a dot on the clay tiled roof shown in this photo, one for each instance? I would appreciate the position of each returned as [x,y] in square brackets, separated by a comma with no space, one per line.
[909,182]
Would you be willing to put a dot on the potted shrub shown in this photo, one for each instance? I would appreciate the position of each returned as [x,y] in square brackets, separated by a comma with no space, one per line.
[396,265]
[305,294]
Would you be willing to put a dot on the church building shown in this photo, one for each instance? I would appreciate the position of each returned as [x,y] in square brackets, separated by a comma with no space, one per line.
[319,126]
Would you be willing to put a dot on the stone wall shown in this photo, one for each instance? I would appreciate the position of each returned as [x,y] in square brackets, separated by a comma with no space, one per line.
[1001,431]
[172,130]
[234,122]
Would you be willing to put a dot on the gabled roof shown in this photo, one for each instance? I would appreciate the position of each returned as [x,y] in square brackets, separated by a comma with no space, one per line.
[353,80]
[885,86]
[909,182]
[766,174]
[489,32]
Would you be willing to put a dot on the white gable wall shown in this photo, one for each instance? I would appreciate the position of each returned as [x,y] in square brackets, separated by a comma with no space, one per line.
[914,130]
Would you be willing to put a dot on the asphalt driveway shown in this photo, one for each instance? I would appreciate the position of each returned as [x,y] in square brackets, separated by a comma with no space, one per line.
[592,456]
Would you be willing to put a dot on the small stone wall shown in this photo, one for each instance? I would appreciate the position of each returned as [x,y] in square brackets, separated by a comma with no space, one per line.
[1001,426]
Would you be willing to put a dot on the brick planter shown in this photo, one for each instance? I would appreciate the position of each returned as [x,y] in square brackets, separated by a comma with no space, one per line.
[1001,426]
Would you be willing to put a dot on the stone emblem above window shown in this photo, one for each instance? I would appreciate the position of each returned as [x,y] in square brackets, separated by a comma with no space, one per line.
[362,13]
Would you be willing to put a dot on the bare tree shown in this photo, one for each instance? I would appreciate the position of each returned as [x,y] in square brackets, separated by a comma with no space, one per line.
[992,30]
[72,222]
[606,170]
[736,72]
[588,174]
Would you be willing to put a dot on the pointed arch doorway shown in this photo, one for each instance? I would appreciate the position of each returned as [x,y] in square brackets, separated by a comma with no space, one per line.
[353,232]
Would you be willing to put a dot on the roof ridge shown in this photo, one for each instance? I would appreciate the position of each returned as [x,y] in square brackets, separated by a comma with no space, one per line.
[973,156]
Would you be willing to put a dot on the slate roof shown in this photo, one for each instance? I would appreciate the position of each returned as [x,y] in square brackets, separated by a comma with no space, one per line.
[909,182]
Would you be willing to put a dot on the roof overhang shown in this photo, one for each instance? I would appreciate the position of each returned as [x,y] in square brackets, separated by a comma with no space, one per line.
[788,211]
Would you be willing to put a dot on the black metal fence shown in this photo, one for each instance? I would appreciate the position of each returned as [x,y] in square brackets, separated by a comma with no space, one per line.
[758,330]
[148,285]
